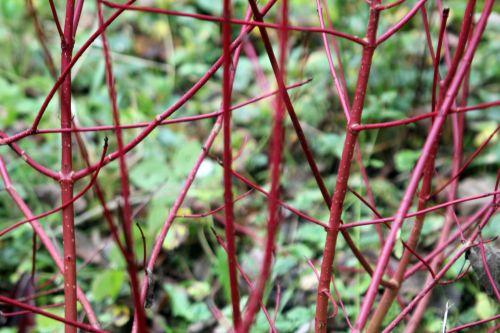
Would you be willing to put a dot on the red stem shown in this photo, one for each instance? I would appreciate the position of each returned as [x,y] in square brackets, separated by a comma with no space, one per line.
[227,163]
[24,312]
[459,68]
[218,209]
[427,176]
[62,206]
[39,294]
[340,91]
[401,23]
[418,212]
[415,177]
[440,249]
[190,178]
[275,156]
[343,174]
[78,14]
[458,172]
[422,260]
[255,23]
[474,323]
[478,106]
[458,128]
[77,129]
[369,192]
[343,90]
[39,311]
[389,5]
[425,21]
[302,139]
[283,204]
[56,19]
[425,290]
[254,59]
[332,300]
[180,102]
[44,238]
[65,71]
[462,41]
[411,120]
[125,187]
[41,38]
[247,280]
[32,163]
[66,181]
[337,53]
[100,195]
[428,287]
[437,58]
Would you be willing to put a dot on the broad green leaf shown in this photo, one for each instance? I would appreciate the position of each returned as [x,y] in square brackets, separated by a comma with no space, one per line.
[107,285]
[405,159]
[485,307]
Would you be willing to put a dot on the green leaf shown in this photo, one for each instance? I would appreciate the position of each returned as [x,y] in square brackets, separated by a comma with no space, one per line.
[150,173]
[199,312]
[300,250]
[46,324]
[330,144]
[179,300]
[284,264]
[177,234]
[115,257]
[299,316]
[405,160]
[214,7]
[309,233]
[199,290]
[221,270]
[182,307]
[107,285]
[484,306]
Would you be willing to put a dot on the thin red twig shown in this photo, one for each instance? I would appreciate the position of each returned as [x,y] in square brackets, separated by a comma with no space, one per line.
[39,311]
[256,23]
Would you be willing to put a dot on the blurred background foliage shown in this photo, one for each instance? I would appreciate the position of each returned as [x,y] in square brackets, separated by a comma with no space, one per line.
[156,59]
